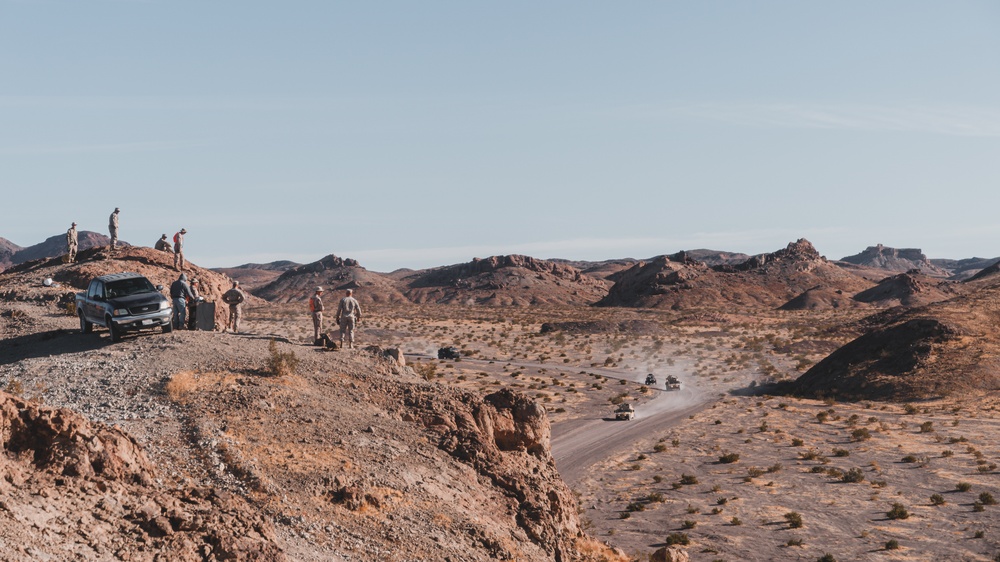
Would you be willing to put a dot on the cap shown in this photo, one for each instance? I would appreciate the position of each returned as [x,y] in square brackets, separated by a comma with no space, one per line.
[117,210]
[74,224]
[183,277]
[319,289]
[195,280]
[164,236]
[184,231]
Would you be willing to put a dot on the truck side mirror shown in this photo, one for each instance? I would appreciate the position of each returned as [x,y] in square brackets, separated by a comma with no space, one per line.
[159,287]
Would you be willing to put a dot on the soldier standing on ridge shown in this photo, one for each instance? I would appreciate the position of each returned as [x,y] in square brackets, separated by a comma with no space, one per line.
[348,313]
[113,227]
[316,308]
[71,243]
[234,298]
[179,249]
[162,244]
[180,293]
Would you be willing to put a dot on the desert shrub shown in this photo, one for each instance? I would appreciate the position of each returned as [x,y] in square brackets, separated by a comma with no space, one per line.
[797,442]
[729,458]
[826,558]
[979,534]
[817,470]
[692,509]
[755,472]
[892,544]
[659,447]
[978,506]
[635,506]
[910,409]
[657,479]
[794,519]
[809,455]
[853,475]
[937,499]
[987,498]
[280,363]
[624,515]
[736,521]
[722,501]
[689,524]
[898,511]
[774,468]
[861,434]
[909,458]
[822,417]
[963,486]
[716,510]
[841,453]
[689,479]
[656,497]
[947,453]
[794,542]
[678,538]
[927,427]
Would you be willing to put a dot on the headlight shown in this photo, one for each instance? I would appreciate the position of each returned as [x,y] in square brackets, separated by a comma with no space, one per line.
[164,305]
[120,312]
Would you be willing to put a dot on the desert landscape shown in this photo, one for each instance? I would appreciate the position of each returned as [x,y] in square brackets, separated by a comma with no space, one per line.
[827,410]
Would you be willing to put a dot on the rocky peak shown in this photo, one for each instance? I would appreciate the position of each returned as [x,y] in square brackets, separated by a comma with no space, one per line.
[327,262]
[801,250]
[895,259]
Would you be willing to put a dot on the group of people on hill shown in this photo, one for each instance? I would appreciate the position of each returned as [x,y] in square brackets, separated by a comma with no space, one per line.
[73,244]
[348,315]
[184,294]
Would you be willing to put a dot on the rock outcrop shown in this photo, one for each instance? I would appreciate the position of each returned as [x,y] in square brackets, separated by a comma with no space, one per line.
[7,250]
[766,280]
[897,260]
[334,274]
[504,280]
[253,276]
[906,289]
[100,498]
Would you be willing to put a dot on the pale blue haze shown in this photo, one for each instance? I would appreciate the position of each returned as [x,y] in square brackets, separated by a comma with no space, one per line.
[414,134]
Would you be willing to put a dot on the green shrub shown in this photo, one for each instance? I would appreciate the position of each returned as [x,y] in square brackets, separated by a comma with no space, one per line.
[853,475]
[841,453]
[986,498]
[689,479]
[729,458]
[898,511]
[736,521]
[678,538]
[963,486]
[892,545]
[794,519]
[937,499]
[861,434]
[689,524]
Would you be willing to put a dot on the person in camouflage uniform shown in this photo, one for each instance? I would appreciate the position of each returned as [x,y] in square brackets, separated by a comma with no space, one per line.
[179,249]
[348,313]
[113,227]
[162,244]
[71,243]
[234,298]
[316,308]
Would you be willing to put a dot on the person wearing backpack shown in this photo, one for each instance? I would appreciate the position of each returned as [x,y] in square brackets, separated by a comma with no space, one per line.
[234,298]
[179,249]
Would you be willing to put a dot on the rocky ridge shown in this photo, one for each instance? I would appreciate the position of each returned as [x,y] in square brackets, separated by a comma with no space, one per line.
[334,274]
[898,260]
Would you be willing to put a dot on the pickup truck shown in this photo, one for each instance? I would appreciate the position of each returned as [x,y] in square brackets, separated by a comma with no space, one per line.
[123,302]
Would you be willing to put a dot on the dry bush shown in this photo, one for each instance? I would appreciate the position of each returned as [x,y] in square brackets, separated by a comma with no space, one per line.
[180,385]
[594,550]
[280,363]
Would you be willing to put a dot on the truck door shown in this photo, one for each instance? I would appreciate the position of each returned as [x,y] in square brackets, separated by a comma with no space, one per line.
[95,308]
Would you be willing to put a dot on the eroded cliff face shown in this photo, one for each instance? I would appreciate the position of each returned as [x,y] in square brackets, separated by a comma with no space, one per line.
[77,490]
[505,437]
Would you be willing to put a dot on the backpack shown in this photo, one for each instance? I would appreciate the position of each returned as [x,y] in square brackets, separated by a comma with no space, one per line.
[232,296]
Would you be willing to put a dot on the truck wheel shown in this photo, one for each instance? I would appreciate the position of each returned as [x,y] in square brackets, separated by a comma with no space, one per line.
[116,333]
[168,327]
[85,327]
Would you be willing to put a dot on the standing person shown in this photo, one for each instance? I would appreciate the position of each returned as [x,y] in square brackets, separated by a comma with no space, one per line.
[179,249]
[234,298]
[180,292]
[162,244]
[193,304]
[113,227]
[316,308]
[348,314]
[71,243]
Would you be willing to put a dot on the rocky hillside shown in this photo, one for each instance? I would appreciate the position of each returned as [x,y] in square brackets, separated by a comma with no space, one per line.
[948,348]
[335,275]
[24,282]
[768,280]
[897,260]
[907,289]
[55,246]
[7,250]
[253,276]
[504,280]
[966,268]
[266,450]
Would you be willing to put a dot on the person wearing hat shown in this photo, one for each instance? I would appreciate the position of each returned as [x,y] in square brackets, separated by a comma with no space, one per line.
[162,244]
[71,243]
[179,249]
[348,314]
[180,293]
[316,308]
[234,298]
[113,227]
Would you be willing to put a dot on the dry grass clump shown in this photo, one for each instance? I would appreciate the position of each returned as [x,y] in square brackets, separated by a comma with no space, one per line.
[280,363]
[593,549]
[181,385]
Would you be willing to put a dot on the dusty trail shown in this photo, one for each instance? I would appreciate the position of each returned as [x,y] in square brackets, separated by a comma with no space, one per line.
[580,443]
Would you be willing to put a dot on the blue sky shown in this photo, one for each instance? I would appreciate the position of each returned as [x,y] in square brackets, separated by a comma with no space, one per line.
[414,134]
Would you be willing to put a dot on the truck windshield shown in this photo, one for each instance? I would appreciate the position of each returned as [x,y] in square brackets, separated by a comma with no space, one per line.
[126,287]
